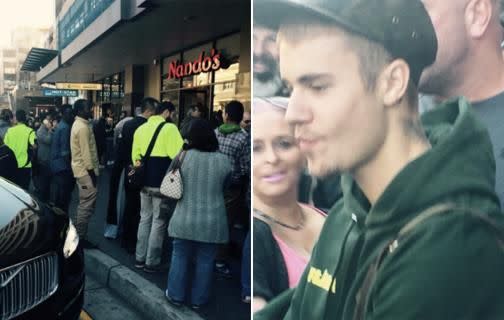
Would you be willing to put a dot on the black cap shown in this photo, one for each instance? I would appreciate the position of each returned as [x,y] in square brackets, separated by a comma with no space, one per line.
[403,27]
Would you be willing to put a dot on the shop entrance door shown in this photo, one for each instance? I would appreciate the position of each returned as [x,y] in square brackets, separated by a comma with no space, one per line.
[190,98]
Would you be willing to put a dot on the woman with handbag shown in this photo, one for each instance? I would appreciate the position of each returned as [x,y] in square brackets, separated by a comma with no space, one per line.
[199,222]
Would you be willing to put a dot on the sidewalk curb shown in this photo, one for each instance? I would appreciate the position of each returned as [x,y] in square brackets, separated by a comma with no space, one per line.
[140,293]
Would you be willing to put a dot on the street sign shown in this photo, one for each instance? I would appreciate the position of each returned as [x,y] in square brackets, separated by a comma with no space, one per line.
[79,86]
[60,93]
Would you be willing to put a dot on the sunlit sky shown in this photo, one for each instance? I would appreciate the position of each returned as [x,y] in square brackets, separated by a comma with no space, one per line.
[20,13]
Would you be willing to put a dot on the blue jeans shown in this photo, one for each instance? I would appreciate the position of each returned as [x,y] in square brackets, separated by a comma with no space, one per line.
[182,255]
[245,268]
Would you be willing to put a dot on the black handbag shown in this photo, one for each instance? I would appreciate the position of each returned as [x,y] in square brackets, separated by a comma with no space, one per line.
[136,174]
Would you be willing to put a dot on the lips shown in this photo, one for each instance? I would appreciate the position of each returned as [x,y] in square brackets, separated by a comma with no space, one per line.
[273,178]
[260,67]
[306,144]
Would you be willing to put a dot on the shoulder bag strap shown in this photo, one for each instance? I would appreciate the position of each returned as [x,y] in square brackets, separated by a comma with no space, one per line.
[153,141]
[28,156]
[177,161]
[364,293]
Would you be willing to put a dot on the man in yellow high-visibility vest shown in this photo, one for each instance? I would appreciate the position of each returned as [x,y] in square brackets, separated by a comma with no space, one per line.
[21,139]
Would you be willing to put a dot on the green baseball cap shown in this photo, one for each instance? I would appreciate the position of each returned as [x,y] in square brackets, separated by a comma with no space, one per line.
[403,27]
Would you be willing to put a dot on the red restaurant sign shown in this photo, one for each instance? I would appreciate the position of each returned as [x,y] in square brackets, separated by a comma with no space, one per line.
[201,64]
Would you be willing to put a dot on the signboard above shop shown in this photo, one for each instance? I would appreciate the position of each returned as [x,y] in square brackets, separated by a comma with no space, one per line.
[79,86]
[203,63]
[60,93]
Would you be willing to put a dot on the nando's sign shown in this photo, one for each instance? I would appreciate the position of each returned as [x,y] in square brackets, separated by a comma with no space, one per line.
[203,63]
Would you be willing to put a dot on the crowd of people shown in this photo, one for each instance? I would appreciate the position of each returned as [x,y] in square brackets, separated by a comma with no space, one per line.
[67,150]
[388,126]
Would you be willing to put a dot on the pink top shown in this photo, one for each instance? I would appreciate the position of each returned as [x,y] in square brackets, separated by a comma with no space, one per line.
[294,262]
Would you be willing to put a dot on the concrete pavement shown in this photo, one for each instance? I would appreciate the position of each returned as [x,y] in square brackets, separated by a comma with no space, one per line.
[101,304]
[113,268]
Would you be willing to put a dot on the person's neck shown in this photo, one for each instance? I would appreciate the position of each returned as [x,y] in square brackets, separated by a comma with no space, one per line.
[284,208]
[229,122]
[482,79]
[399,149]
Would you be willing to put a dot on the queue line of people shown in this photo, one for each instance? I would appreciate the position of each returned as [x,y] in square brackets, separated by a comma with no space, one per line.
[66,156]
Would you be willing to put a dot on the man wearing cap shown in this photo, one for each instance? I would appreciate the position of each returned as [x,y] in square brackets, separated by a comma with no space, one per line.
[469,63]
[416,234]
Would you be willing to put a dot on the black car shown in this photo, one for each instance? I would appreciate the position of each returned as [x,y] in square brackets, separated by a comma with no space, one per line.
[41,262]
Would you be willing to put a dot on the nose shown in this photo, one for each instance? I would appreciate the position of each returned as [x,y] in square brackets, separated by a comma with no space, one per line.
[258,45]
[298,111]
[271,155]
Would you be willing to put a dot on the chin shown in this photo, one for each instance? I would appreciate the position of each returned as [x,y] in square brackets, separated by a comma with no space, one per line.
[275,190]
[320,170]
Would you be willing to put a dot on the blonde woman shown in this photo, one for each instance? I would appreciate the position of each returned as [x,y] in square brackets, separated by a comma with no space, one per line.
[285,230]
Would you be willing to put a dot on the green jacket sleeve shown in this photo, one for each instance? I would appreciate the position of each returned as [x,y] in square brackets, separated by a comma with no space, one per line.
[449,271]
[276,308]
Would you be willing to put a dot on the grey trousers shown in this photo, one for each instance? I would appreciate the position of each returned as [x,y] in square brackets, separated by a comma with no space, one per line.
[86,207]
[152,228]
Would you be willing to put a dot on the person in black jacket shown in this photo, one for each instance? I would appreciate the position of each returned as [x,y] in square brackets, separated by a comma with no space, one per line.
[131,216]
[8,163]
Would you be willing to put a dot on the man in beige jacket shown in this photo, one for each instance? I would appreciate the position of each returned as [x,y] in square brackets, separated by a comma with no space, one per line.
[84,166]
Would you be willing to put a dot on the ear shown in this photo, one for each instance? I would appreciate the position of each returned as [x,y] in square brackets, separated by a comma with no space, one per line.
[393,82]
[478,15]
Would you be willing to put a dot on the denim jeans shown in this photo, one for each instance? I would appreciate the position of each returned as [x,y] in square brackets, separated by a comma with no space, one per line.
[245,268]
[64,183]
[152,228]
[182,255]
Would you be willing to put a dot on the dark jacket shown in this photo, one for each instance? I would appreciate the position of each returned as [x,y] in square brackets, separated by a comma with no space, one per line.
[60,148]
[44,137]
[322,193]
[99,130]
[449,267]
[4,126]
[8,163]
[126,140]
[268,257]
[185,126]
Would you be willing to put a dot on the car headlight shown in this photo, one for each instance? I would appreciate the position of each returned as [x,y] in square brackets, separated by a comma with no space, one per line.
[71,241]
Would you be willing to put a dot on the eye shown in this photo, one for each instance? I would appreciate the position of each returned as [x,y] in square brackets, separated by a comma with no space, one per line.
[317,87]
[257,147]
[284,144]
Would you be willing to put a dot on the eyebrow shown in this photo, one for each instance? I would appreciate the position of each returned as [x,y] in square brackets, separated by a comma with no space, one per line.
[309,78]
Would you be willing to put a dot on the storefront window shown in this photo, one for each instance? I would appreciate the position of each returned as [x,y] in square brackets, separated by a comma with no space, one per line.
[225,86]
[226,78]
[106,90]
[169,83]
[197,55]
[219,84]
[173,97]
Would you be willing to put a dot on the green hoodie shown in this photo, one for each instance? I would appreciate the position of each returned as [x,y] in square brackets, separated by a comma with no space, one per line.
[448,267]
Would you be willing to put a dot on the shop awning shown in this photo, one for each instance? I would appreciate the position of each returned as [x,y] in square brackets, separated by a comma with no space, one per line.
[38,58]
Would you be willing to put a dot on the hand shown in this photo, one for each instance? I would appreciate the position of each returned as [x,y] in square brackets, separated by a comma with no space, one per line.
[92,175]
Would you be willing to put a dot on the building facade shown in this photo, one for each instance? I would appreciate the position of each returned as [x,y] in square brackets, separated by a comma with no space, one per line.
[128,46]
